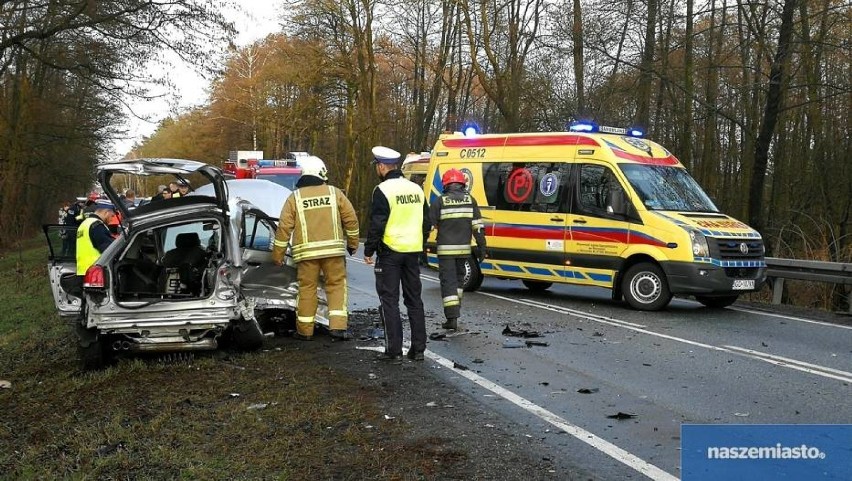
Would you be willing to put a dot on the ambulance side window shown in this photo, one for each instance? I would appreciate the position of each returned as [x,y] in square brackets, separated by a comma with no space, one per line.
[596,185]
[526,186]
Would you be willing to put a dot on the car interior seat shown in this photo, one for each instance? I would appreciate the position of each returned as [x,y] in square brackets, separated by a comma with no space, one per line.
[188,259]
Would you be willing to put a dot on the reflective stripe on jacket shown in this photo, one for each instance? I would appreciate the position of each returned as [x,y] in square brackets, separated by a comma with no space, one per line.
[404,229]
[456,216]
[322,223]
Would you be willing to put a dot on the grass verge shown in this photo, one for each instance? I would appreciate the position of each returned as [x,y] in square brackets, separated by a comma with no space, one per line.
[276,414]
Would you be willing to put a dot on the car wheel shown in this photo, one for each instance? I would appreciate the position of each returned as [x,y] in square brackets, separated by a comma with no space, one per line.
[247,335]
[537,286]
[717,302]
[645,287]
[92,354]
[472,275]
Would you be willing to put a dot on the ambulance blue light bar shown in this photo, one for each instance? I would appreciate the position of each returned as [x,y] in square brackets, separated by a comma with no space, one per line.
[591,127]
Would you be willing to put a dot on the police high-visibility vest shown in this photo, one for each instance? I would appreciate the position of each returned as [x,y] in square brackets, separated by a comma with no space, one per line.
[404,229]
[87,254]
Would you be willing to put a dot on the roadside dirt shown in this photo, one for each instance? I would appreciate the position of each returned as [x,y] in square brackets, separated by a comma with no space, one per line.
[466,440]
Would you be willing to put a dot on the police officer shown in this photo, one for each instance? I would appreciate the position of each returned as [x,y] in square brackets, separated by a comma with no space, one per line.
[324,227]
[398,222]
[93,236]
[457,218]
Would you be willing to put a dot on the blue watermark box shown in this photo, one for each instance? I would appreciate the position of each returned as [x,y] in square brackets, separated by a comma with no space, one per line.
[766,452]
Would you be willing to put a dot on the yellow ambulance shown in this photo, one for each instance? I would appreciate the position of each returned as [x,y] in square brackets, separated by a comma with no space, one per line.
[598,206]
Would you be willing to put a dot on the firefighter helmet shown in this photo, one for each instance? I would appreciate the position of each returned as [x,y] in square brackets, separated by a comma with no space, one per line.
[313,165]
[453,176]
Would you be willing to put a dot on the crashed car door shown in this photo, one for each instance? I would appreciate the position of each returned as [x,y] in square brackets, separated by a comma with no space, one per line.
[270,285]
[62,268]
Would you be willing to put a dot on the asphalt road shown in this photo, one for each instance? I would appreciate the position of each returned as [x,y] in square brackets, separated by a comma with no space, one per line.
[687,364]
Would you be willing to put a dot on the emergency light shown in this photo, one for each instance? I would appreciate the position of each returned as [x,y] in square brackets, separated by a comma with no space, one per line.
[590,127]
[470,129]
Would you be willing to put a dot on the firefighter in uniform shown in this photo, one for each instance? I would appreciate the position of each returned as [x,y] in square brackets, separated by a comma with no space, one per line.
[398,222]
[93,237]
[457,218]
[324,227]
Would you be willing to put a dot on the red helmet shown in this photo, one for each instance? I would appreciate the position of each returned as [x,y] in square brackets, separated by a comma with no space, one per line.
[93,196]
[453,176]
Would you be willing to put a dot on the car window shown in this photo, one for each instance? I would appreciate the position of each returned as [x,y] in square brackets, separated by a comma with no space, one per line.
[597,185]
[207,232]
[258,232]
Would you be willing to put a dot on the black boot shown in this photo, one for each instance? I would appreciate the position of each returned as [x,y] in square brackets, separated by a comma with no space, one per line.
[450,323]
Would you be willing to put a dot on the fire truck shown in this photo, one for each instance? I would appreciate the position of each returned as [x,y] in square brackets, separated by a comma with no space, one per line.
[242,164]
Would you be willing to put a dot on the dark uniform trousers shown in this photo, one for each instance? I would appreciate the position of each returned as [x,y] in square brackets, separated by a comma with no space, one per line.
[391,268]
[451,274]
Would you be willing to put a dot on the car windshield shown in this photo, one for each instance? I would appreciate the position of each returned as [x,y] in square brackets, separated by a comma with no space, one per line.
[284,180]
[662,187]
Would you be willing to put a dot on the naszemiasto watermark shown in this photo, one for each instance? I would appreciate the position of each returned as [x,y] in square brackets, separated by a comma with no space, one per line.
[778,451]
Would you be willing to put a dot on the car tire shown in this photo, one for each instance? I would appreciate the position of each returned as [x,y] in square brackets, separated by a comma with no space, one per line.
[92,355]
[717,302]
[645,287]
[472,275]
[247,335]
[537,286]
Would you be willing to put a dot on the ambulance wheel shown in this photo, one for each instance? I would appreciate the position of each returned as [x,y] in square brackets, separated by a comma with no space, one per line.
[645,287]
[472,275]
[717,302]
[537,286]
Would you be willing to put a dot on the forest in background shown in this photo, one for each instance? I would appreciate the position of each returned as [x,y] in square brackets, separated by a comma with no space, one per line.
[753,97]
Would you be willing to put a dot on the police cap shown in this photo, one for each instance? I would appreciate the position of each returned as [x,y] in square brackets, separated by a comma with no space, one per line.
[385,155]
[104,204]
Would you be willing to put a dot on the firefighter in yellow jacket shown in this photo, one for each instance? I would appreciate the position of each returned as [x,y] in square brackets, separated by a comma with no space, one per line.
[324,226]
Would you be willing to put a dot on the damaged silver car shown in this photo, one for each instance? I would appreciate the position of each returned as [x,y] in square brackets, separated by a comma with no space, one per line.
[182,274]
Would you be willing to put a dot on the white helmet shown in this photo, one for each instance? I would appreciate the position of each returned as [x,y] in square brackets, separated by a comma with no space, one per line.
[313,165]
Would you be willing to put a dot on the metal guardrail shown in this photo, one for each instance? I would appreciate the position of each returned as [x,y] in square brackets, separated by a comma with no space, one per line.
[818,271]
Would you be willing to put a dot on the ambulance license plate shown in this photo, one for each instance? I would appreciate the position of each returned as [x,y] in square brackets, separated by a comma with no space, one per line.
[743,284]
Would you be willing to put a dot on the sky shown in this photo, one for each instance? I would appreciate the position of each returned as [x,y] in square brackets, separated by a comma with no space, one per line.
[255,20]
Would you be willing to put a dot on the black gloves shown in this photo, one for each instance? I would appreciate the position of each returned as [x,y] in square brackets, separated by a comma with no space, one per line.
[480,255]
[351,250]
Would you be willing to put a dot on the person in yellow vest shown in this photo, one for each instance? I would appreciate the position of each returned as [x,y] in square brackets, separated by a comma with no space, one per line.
[93,236]
[398,223]
[324,226]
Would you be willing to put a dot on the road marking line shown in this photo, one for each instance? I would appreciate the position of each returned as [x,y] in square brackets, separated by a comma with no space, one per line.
[791,318]
[796,364]
[602,445]
[774,360]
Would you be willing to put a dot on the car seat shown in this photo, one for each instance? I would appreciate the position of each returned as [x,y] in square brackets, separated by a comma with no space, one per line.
[184,265]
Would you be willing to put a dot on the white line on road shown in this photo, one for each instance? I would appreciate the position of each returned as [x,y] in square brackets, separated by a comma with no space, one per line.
[789,318]
[602,445]
[768,358]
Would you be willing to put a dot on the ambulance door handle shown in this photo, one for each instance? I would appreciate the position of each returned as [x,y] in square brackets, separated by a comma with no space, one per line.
[557,219]
[579,221]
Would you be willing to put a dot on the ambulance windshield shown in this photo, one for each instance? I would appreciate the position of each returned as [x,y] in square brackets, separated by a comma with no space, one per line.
[662,187]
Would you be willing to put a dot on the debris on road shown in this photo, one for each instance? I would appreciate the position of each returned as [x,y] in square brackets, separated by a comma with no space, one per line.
[621,415]
[536,343]
[431,404]
[460,367]
[478,361]
[437,336]
[508,331]
[389,418]
[588,390]
[741,415]
[513,343]
[255,407]
[5,384]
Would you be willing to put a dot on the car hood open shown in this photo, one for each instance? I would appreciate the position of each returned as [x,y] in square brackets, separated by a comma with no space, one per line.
[179,168]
